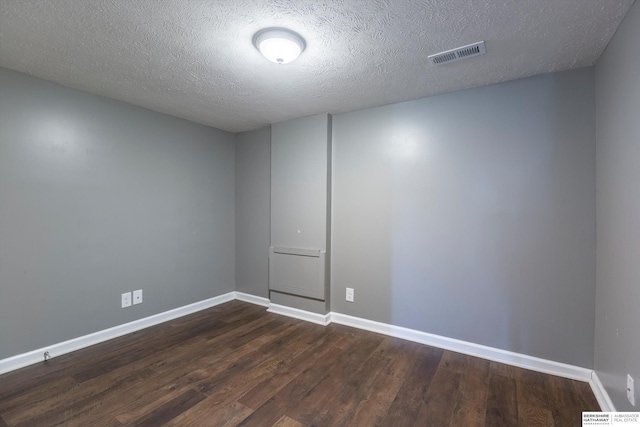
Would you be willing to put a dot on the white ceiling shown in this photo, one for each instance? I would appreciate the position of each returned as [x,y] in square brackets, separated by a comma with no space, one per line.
[195,59]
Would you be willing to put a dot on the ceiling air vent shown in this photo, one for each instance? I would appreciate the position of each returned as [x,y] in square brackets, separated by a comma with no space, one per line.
[458,53]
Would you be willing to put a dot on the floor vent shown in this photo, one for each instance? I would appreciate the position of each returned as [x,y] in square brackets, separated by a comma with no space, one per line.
[458,53]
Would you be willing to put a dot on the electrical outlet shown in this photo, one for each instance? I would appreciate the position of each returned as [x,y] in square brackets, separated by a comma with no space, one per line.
[350,294]
[631,393]
[126,299]
[137,297]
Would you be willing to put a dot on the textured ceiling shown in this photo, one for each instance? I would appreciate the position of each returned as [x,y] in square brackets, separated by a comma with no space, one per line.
[195,59]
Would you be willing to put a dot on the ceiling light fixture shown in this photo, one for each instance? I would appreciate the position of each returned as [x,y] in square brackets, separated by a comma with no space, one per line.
[279,44]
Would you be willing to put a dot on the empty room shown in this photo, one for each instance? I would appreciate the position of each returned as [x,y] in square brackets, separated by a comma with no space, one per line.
[319,213]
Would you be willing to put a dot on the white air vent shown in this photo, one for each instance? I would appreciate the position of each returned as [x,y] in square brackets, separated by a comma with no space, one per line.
[458,53]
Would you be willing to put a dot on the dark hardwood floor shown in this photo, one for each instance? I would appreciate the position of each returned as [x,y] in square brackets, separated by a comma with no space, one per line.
[236,364]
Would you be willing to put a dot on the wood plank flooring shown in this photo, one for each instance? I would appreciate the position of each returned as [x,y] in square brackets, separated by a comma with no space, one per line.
[237,365]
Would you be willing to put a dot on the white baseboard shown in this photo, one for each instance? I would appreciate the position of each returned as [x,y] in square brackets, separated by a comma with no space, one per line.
[320,319]
[241,296]
[35,356]
[489,353]
[606,405]
[477,350]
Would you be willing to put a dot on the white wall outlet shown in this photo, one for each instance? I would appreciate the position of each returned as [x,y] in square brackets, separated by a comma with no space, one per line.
[350,294]
[631,393]
[137,297]
[126,299]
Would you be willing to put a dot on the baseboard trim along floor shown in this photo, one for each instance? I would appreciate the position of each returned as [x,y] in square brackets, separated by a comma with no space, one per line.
[55,350]
[241,296]
[477,350]
[464,347]
[320,319]
[601,394]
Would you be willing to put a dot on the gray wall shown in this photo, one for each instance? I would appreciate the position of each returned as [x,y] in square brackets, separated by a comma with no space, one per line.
[253,170]
[617,342]
[469,215]
[97,198]
[472,215]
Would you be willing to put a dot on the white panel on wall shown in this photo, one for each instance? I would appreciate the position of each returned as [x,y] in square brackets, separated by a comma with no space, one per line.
[297,271]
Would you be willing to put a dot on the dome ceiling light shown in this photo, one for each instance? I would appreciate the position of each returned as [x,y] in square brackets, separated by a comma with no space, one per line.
[279,45]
